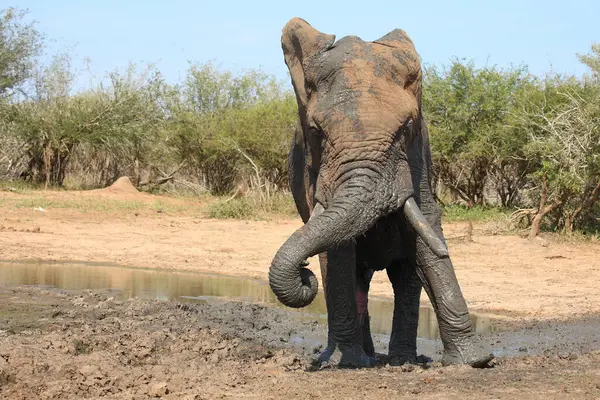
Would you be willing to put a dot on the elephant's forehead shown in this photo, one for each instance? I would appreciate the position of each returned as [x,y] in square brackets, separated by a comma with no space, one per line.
[359,63]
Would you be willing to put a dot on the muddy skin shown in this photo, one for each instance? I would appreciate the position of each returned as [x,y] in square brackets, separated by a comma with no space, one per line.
[359,169]
[59,344]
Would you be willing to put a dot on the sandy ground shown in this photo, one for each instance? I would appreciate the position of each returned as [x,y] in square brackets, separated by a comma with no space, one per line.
[501,274]
[58,344]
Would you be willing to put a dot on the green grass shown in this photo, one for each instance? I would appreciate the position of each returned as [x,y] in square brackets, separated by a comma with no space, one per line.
[17,186]
[90,204]
[82,347]
[252,209]
[242,208]
[457,213]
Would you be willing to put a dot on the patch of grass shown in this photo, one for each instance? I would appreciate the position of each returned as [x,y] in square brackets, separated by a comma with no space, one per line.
[252,208]
[91,204]
[574,237]
[84,204]
[283,204]
[241,208]
[82,347]
[458,213]
[159,205]
[17,186]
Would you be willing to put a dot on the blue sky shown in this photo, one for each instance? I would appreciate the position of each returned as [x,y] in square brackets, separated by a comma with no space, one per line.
[237,35]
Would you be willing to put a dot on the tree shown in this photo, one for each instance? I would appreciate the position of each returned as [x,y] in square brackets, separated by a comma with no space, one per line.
[565,144]
[228,126]
[20,44]
[472,139]
[592,60]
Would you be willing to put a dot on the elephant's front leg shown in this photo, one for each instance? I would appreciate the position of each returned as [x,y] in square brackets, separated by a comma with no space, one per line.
[363,281]
[461,345]
[344,335]
[405,322]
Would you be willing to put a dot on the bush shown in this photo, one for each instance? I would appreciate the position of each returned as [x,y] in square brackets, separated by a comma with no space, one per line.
[459,213]
[242,208]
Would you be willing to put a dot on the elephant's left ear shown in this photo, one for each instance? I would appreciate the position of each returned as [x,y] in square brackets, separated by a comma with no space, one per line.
[403,52]
[396,38]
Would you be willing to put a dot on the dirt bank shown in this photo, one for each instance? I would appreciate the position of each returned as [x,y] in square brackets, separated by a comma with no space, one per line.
[498,273]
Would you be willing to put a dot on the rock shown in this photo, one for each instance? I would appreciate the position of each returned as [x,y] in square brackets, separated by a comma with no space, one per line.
[407,367]
[89,370]
[158,389]
[5,375]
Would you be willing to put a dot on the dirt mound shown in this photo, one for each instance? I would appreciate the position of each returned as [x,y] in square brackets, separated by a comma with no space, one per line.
[122,185]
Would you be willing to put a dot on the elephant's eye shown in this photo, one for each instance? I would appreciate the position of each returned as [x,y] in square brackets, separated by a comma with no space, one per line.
[316,133]
[405,128]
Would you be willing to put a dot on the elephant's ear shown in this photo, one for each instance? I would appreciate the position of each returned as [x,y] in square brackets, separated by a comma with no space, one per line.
[407,59]
[300,41]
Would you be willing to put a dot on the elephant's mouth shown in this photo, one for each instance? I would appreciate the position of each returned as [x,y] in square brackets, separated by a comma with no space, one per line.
[417,221]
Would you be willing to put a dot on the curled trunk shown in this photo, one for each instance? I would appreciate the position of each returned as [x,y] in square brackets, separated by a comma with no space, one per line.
[353,211]
[355,208]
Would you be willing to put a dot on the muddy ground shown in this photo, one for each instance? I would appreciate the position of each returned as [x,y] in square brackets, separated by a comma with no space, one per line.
[67,344]
[71,345]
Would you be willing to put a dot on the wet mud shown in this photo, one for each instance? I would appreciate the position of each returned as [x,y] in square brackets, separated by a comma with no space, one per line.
[72,344]
[127,282]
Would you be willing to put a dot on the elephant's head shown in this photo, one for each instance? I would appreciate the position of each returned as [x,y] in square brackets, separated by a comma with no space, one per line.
[359,105]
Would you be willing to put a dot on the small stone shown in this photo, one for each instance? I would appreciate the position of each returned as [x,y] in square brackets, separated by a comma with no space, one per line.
[523,349]
[158,389]
[89,370]
[407,367]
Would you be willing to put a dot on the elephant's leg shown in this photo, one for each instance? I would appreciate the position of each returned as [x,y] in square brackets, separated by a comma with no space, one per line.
[461,345]
[338,268]
[407,294]
[363,280]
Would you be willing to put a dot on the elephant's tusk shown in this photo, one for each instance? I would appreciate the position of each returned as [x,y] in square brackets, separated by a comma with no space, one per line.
[417,220]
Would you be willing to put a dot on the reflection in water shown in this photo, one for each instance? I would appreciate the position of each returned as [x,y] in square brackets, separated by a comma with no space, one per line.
[187,286]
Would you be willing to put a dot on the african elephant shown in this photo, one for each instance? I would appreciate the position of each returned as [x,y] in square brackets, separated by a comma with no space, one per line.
[359,169]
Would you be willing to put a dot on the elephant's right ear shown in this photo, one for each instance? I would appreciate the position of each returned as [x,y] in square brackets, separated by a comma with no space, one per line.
[300,41]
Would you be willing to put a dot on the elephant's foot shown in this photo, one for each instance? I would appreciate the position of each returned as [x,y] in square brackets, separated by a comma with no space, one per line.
[345,356]
[401,359]
[467,351]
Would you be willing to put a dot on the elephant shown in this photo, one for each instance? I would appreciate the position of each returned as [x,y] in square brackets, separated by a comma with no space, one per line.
[360,175]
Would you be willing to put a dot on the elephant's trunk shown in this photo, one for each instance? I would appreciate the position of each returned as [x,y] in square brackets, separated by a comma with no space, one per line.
[353,210]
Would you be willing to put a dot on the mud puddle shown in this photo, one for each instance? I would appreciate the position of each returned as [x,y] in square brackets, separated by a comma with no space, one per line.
[306,328]
[185,286]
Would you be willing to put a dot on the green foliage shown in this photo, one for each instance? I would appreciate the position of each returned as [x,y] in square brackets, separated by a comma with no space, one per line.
[227,126]
[592,60]
[469,114]
[242,208]
[20,43]
[253,207]
[498,136]
[460,213]
[565,145]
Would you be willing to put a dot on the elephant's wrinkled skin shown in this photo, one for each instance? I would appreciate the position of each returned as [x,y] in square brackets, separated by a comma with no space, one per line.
[360,176]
